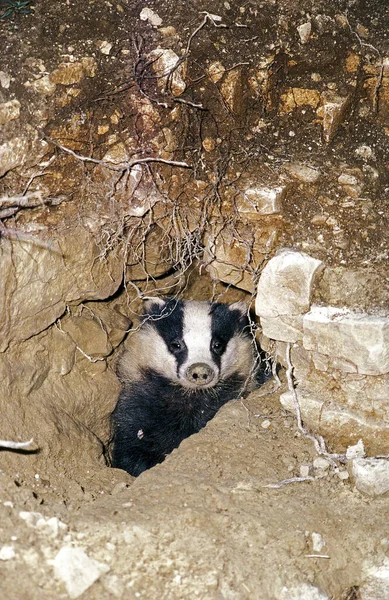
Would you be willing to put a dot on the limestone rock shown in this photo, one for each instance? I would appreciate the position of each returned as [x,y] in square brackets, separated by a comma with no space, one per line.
[341,425]
[77,570]
[286,284]
[304,32]
[216,71]
[297,97]
[9,111]
[164,63]
[302,591]
[260,200]
[371,475]
[333,111]
[359,338]
[17,150]
[284,328]
[146,14]
[376,584]
[69,73]
[303,173]
[232,90]
[232,256]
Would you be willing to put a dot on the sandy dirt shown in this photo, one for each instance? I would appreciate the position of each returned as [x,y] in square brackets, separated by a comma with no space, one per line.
[204,524]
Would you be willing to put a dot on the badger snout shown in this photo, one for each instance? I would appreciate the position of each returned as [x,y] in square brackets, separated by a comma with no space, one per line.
[200,374]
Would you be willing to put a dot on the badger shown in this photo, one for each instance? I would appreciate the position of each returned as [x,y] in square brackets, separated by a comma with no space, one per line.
[185,361]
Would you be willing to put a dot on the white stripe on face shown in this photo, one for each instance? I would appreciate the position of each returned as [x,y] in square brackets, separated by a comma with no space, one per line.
[197,334]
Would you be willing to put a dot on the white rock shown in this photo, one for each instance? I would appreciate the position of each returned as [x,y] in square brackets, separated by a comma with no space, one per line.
[77,570]
[146,14]
[5,80]
[305,470]
[164,66]
[334,109]
[346,179]
[105,47]
[318,542]
[359,338]
[7,553]
[284,328]
[365,152]
[356,451]
[286,284]
[371,475]
[31,518]
[304,32]
[48,525]
[261,199]
[303,172]
[321,463]
[376,584]
[9,111]
[302,591]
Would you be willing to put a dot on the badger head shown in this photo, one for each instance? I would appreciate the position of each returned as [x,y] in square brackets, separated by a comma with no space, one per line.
[193,344]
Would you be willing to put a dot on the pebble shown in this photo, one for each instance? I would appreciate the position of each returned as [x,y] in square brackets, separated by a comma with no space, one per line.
[318,542]
[356,451]
[371,475]
[304,470]
[304,32]
[320,463]
[265,424]
[7,553]
[345,179]
[149,15]
[77,570]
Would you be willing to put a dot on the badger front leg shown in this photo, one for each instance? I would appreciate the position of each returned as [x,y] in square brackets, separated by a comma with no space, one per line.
[132,458]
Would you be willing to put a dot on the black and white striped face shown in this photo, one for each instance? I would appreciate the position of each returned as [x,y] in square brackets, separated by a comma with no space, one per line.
[197,344]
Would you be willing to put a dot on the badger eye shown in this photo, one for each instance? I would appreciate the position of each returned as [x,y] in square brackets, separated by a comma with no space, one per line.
[175,346]
[217,347]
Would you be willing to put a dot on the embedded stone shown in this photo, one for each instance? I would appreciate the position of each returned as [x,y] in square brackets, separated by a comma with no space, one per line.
[164,66]
[333,112]
[69,73]
[77,570]
[216,71]
[232,90]
[261,200]
[302,591]
[295,97]
[359,338]
[285,328]
[310,408]
[286,284]
[9,111]
[304,32]
[303,172]
[146,14]
[371,475]
[376,584]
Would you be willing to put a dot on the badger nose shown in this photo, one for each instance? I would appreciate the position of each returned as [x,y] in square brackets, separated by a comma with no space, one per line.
[200,374]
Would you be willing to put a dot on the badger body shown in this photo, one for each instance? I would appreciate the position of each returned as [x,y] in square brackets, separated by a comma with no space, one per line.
[185,361]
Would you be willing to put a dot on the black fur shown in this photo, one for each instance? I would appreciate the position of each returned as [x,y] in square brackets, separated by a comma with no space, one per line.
[152,417]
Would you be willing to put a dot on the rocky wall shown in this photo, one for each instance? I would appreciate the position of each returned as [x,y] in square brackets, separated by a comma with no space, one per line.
[340,356]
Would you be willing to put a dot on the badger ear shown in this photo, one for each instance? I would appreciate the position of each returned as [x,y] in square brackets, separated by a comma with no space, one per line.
[241,307]
[151,303]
